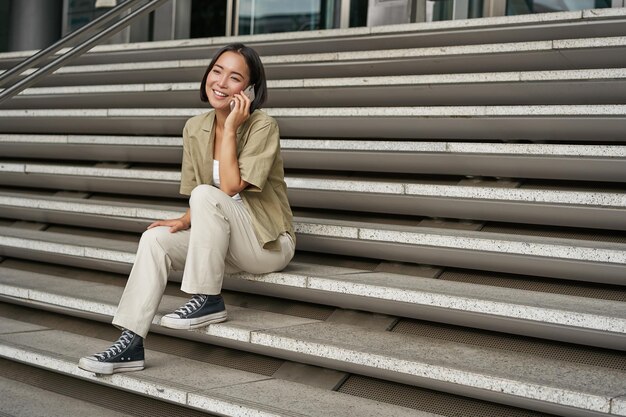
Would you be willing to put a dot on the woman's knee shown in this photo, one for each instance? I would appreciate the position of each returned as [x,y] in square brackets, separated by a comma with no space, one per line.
[155,236]
[204,194]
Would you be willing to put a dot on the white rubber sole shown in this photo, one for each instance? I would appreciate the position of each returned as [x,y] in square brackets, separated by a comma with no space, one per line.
[107,368]
[172,321]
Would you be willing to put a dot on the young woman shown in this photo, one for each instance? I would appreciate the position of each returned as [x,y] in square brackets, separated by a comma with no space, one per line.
[238,219]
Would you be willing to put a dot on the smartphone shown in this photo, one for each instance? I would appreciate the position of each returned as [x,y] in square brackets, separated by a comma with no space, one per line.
[248,92]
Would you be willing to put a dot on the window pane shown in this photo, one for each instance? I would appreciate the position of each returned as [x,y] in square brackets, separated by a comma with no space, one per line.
[271,16]
[515,7]
[208,18]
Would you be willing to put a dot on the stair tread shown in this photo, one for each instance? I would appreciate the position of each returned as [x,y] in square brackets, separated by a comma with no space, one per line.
[546,247]
[544,77]
[103,299]
[547,308]
[172,378]
[406,146]
[501,23]
[553,381]
[20,399]
[550,46]
[352,184]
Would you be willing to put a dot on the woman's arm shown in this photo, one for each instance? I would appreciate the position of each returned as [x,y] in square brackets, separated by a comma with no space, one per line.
[182,223]
[230,177]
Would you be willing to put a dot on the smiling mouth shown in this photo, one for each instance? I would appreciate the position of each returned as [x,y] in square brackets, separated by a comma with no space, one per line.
[219,94]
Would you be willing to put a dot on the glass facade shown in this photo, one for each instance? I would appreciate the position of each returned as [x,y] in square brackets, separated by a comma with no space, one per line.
[81,12]
[515,7]
[271,16]
[213,18]
[208,18]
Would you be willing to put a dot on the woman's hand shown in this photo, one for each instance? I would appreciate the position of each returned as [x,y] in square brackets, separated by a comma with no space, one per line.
[239,113]
[174,224]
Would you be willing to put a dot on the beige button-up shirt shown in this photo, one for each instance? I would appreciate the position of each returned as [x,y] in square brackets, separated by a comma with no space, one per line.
[260,165]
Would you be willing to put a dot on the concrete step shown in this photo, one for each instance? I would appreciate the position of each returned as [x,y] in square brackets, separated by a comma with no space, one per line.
[541,122]
[522,160]
[21,400]
[173,379]
[600,86]
[382,238]
[512,378]
[563,25]
[566,54]
[586,321]
[442,198]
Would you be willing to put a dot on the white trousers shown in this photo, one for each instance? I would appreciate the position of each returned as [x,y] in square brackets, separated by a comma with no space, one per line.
[221,239]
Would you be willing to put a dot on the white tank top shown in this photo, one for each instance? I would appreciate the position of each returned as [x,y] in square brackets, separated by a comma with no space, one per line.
[216,179]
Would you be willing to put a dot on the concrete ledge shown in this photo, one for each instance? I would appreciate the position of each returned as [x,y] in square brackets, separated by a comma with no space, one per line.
[174,379]
[503,22]
[555,383]
[602,210]
[599,86]
[603,52]
[379,146]
[541,122]
[352,186]
[509,160]
[19,399]
[571,319]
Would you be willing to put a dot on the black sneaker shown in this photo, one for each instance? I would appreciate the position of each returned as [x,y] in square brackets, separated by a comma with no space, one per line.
[125,355]
[200,311]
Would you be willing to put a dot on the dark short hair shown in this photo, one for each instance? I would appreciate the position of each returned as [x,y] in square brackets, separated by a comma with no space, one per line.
[257,73]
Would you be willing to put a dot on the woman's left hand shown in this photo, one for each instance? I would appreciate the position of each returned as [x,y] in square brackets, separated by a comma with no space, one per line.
[239,113]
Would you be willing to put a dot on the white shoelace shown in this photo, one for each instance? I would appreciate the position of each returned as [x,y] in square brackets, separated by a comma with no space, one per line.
[117,347]
[191,305]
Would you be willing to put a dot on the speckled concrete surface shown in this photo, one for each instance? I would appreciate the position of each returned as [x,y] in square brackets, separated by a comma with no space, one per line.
[494,242]
[517,47]
[22,400]
[166,376]
[540,307]
[276,395]
[588,76]
[177,380]
[618,406]
[147,174]
[552,381]
[353,186]
[103,299]
[8,326]
[334,112]
[456,147]
[537,149]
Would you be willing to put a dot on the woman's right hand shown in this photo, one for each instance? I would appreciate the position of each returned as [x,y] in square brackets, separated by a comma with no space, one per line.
[174,224]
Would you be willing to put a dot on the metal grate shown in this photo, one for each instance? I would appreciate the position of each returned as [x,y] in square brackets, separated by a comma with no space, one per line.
[203,352]
[107,397]
[605,358]
[428,400]
[593,235]
[552,286]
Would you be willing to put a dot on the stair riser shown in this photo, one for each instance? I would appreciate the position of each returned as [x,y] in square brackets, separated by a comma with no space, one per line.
[552,214]
[550,128]
[493,261]
[496,93]
[579,270]
[353,367]
[497,165]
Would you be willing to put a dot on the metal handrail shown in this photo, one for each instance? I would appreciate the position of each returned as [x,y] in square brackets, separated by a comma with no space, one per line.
[85,30]
[77,50]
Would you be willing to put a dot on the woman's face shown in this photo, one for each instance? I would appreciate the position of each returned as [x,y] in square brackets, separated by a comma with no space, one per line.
[228,77]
